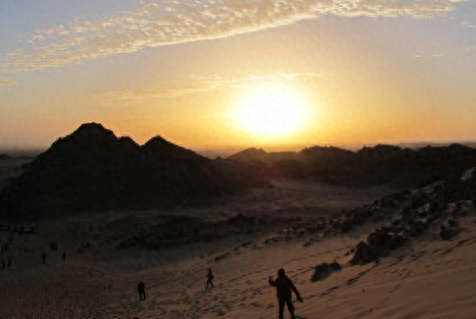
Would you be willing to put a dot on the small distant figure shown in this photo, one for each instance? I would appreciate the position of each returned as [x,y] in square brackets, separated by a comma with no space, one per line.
[63,256]
[53,245]
[3,265]
[9,264]
[141,290]
[210,278]
[43,258]
[284,286]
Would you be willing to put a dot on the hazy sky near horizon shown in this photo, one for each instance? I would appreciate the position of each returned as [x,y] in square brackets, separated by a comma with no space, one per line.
[363,71]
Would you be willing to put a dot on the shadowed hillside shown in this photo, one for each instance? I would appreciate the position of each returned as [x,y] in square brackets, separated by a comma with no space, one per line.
[370,166]
[92,169]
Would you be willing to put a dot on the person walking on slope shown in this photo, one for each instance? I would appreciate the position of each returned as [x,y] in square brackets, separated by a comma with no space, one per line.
[210,278]
[284,285]
[141,290]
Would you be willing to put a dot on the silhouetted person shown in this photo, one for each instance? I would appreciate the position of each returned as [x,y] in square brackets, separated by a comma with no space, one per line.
[9,262]
[3,265]
[284,286]
[43,258]
[210,278]
[141,290]
[53,245]
[64,257]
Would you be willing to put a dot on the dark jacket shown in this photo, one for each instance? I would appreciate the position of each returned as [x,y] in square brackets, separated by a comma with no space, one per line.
[284,286]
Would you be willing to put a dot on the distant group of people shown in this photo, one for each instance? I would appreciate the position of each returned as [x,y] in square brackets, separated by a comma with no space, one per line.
[5,248]
[284,288]
[7,264]
[44,257]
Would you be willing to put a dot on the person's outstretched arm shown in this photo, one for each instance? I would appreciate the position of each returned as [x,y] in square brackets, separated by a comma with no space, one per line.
[293,288]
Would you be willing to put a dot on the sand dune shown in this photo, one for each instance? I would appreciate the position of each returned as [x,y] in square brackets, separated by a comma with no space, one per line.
[427,278]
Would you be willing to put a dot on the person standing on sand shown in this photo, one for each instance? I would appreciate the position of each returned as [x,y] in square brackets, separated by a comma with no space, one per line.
[210,278]
[43,258]
[284,285]
[141,290]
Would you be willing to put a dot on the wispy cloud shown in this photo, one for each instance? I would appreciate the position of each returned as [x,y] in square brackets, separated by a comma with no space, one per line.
[135,95]
[468,24]
[194,85]
[172,21]
[4,82]
[470,48]
[244,81]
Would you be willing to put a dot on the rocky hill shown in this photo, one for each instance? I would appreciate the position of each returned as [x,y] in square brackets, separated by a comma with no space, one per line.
[260,155]
[383,164]
[92,169]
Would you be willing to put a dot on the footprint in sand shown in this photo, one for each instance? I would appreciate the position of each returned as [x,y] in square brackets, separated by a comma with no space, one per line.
[394,288]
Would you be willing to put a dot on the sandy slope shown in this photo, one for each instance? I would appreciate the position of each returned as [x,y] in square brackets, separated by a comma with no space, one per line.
[429,278]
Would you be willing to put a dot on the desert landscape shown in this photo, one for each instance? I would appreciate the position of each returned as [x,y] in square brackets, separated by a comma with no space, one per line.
[237,159]
[352,252]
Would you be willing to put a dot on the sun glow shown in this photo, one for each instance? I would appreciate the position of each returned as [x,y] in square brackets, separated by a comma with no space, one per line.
[271,112]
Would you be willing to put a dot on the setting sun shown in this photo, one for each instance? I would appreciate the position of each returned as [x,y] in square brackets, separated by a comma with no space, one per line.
[271,112]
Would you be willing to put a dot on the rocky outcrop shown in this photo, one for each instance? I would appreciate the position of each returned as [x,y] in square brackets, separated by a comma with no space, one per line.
[444,199]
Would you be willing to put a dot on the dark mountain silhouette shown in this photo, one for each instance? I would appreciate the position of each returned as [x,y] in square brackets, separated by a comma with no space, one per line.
[370,166]
[260,155]
[93,170]
[5,156]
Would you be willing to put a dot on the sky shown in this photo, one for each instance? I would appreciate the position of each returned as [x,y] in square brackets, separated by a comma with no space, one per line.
[321,72]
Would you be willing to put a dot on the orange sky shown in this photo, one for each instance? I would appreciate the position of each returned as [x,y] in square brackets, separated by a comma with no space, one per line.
[393,72]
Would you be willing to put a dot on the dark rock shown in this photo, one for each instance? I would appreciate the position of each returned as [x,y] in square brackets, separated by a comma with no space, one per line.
[447,233]
[452,222]
[362,255]
[416,228]
[408,214]
[320,272]
[324,270]
[335,266]
[380,243]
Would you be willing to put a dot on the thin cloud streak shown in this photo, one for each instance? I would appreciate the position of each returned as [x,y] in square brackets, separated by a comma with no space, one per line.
[197,84]
[5,82]
[172,22]
[468,24]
